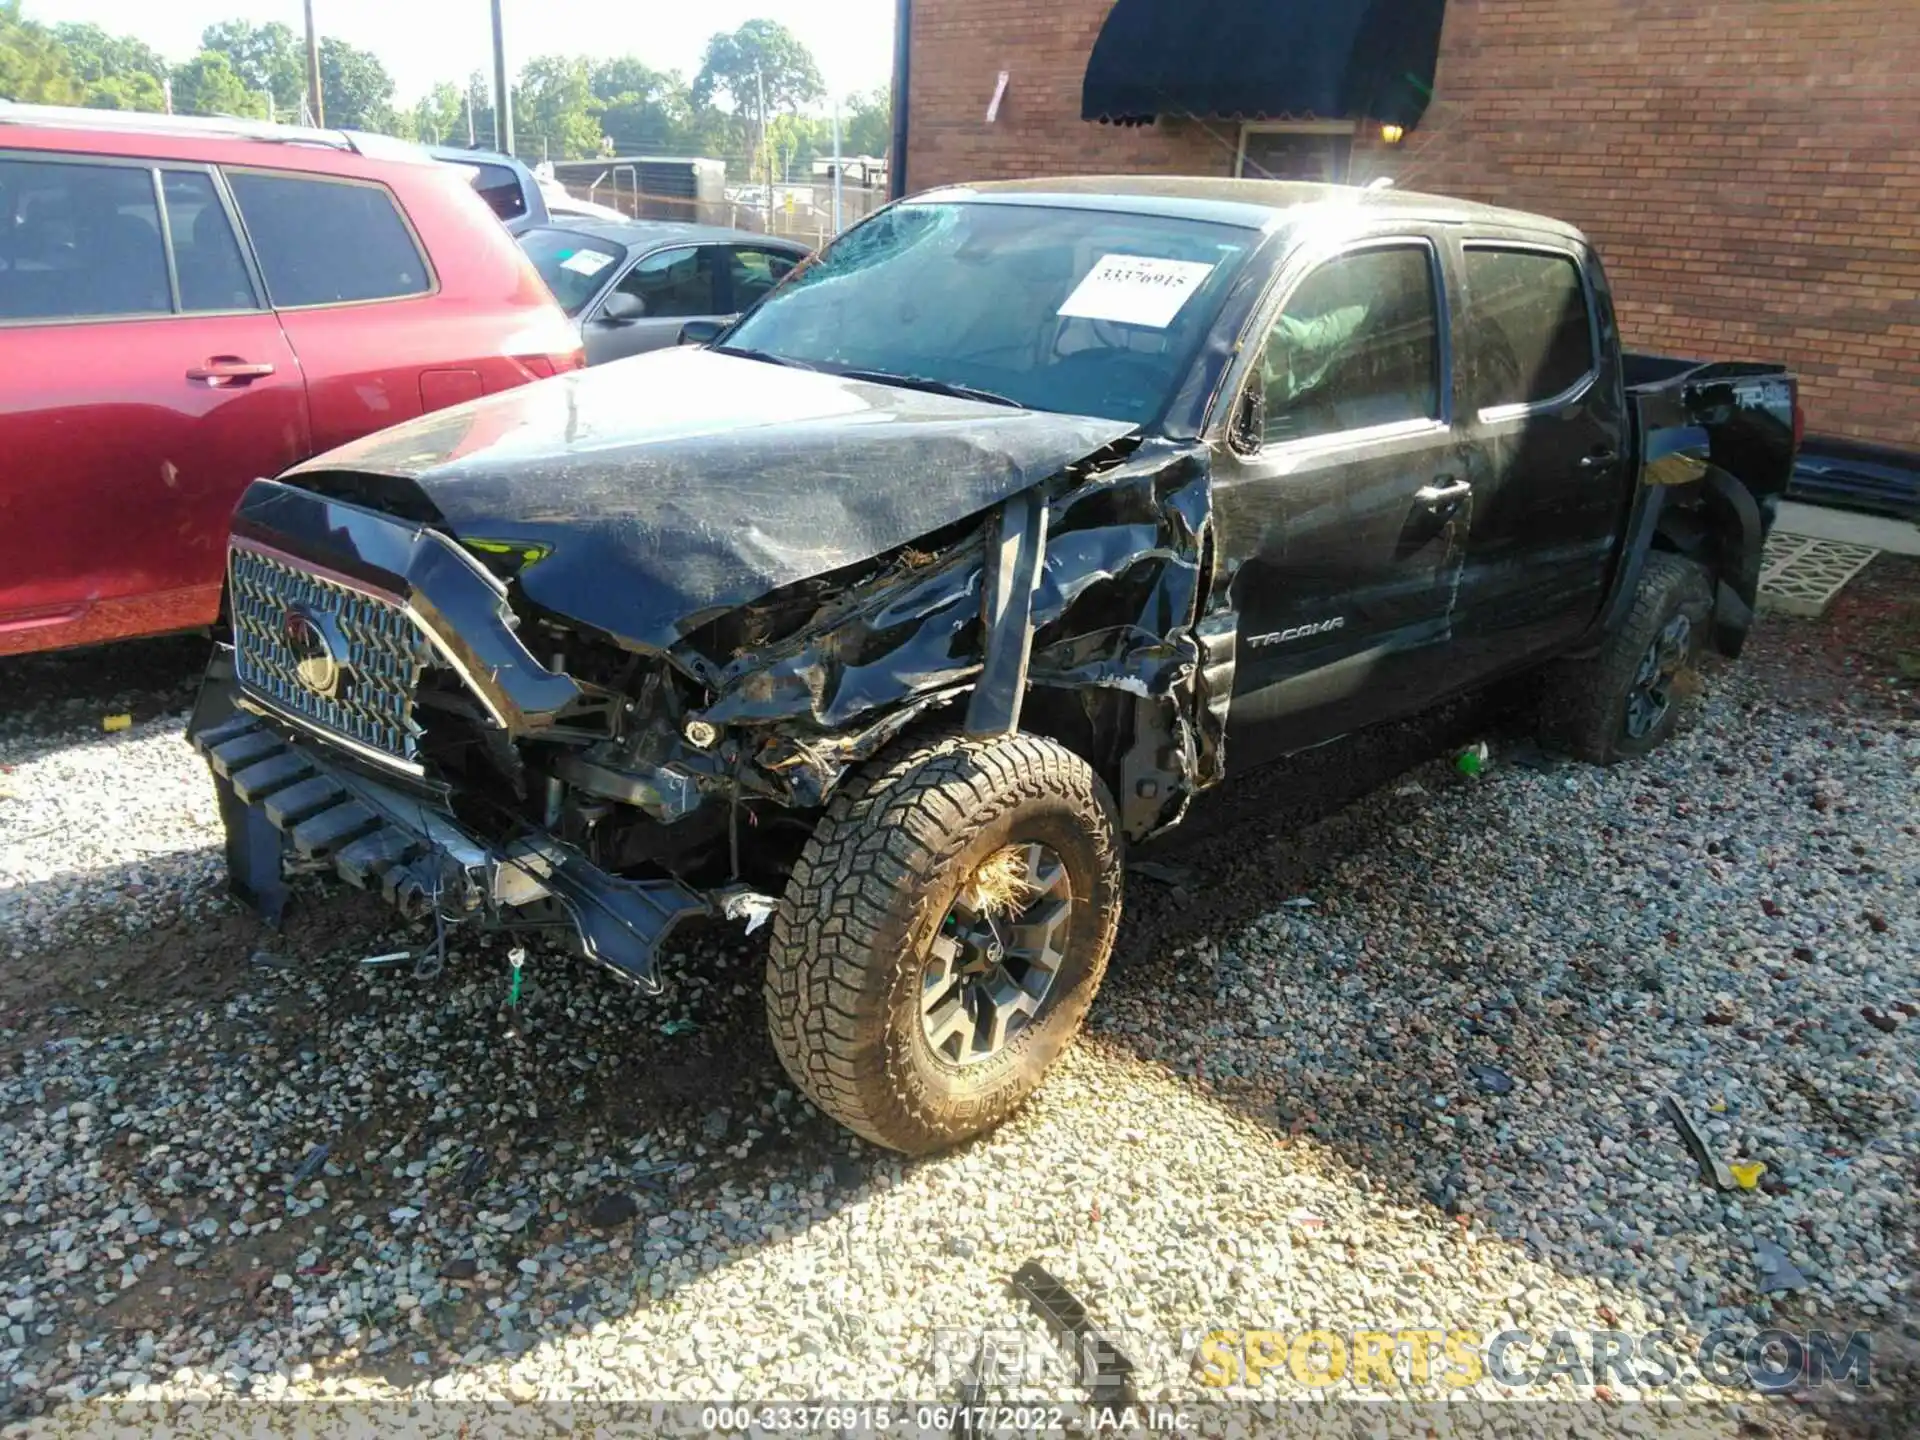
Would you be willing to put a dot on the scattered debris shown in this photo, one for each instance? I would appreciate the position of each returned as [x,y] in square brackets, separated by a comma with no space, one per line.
[1713,1170]
[474,1173]
[1411,787]
[1746,1173]
[1879,1019]
[748,905]
[309,1167]
[1298,902]
[1777,1272]
[1492,1079]
[612,1210]
[1175,875]
[114,723]
[1108,1373]
[267,960]
[679,1025]
[1876,922]
[1473,760]
[400,1214]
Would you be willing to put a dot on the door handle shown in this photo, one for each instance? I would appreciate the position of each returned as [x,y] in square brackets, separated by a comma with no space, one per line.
[1444,490]
[229,369]
[1597,459]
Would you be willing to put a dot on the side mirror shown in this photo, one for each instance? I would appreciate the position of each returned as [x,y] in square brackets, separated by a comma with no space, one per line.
[622,308]
[701,332]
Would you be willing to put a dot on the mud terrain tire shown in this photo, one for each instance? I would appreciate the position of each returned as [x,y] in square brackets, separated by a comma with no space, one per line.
[1625,701]
[891,863]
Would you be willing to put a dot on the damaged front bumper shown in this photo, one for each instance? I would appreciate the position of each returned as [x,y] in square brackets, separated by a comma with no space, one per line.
[280,796]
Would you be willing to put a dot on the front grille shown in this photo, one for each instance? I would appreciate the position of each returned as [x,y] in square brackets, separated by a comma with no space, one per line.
[374,653]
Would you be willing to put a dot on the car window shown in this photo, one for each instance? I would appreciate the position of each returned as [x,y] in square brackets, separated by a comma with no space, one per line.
[79,241]
[206,253]
[500,187]
[755,272]
[1356,345]
[1532,331]
[675,283]
[328,242]
[573,265]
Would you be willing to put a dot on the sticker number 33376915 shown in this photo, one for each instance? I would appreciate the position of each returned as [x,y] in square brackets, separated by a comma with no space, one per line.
[1136,290]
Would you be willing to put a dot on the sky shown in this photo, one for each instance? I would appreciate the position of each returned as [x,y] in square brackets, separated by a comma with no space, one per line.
[424,41]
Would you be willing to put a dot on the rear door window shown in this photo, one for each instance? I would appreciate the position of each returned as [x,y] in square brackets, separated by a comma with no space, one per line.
[206,252]
[500,187]
[328,242]
[676,283]
[80,242]
[1531,328]
[1357,345]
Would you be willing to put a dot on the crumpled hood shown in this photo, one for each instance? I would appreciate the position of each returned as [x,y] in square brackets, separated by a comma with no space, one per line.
[670,488]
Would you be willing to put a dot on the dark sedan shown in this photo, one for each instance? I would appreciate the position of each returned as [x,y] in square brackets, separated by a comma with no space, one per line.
[630,286]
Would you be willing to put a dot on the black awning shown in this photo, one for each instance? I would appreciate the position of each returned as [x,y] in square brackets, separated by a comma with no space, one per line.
[1264,60]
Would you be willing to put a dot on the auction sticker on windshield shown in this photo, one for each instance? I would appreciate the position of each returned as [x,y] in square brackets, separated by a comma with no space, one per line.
[586,262]
[1136,290]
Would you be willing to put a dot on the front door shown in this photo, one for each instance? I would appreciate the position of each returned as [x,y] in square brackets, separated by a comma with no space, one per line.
[141,398]
[671,287]
[1345,531]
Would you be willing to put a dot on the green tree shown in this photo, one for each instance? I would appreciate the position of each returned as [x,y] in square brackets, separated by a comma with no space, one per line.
[479,96]
[866,123]
[115,72]
[266,57]
[207,85]
[642,110]
[34,68]
[355,90]
[440,118]
[759,51]
[553,106]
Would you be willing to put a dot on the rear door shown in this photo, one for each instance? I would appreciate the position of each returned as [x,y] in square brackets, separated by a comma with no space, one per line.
[1343,532]
[1552,476]
[145,383]
[351,284]
[671,286]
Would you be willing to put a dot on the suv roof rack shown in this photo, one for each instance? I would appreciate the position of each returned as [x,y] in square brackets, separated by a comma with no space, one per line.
[223,127]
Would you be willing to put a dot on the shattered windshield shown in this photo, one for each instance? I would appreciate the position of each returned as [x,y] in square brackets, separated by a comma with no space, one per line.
[1078,311]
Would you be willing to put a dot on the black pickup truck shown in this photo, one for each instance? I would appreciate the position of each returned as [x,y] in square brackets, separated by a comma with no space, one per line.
[991,538]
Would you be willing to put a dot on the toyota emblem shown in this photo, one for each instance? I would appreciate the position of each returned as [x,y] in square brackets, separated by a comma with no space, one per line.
[314,661]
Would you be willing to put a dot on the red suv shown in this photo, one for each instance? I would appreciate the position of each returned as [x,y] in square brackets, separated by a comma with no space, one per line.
[186,305]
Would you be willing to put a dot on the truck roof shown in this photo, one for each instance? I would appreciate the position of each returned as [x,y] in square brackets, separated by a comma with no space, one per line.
[1256,204]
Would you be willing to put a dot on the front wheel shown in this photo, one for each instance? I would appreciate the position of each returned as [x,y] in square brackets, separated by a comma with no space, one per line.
[943,935]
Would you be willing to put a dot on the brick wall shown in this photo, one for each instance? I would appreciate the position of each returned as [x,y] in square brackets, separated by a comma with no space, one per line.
[1750,171]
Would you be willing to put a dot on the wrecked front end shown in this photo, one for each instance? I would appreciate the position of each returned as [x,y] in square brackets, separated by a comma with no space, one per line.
[396,705]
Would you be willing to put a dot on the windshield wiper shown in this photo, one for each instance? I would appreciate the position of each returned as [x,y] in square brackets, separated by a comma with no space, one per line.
[936,387]
[765,355]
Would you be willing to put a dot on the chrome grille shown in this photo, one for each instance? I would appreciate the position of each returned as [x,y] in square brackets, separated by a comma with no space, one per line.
[377,650]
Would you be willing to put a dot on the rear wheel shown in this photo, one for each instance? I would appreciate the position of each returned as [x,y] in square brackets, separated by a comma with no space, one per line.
[1626,700]
[942,936]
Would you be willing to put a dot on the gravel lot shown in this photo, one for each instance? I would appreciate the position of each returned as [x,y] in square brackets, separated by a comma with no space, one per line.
[1388,1052]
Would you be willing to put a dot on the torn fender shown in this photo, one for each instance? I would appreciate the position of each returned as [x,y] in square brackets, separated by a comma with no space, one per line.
[659,493]
[1121,579]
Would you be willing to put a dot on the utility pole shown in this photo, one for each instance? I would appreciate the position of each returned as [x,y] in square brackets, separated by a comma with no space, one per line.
[502,94]
[470,117]
[313,71]
[166,92]
[836,164]
[760,79]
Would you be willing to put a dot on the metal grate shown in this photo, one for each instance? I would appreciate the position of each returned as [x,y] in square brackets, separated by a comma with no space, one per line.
[378,649]
[1800,575]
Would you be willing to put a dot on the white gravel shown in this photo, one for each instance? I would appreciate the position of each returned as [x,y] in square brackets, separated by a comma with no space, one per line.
[1273,1127]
